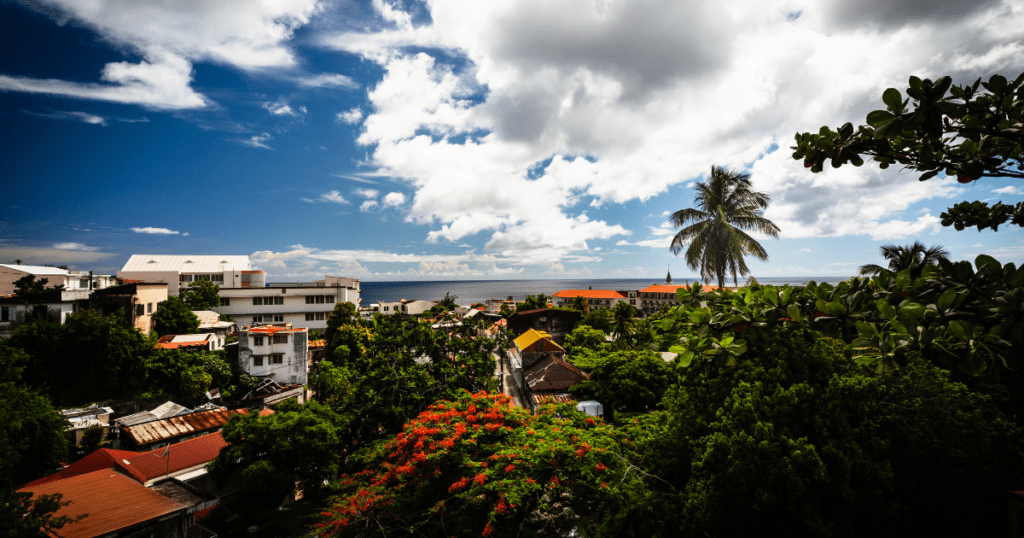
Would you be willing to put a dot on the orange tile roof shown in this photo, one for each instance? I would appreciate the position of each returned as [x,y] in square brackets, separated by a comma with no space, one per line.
[590,294]
[112,500]
[663,288]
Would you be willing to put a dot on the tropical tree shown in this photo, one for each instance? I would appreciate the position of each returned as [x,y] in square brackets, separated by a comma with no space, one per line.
[726,206]
[913,257]
[201,295]
[622,322]
[974,132]
[174,317]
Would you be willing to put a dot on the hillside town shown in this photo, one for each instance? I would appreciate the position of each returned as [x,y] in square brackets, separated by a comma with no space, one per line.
[142,465]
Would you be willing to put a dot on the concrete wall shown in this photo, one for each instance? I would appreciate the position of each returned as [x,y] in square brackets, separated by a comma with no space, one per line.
[293,307]
[293,367]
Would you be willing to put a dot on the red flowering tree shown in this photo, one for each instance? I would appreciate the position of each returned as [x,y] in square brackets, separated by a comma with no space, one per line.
[479,467]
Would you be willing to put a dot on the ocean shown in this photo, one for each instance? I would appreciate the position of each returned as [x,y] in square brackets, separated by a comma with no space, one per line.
[478,291]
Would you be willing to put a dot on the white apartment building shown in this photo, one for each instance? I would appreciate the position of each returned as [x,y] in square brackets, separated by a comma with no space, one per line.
[302,304]
[402,307]
[180,271]
[276,353]
[71,280]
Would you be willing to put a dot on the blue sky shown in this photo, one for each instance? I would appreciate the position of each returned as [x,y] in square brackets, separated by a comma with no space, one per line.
[403,140]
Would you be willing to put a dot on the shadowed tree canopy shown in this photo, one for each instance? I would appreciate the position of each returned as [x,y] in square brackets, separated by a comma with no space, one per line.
[715,229]
[970,134]
[913,257]
[201,295]
[174,317]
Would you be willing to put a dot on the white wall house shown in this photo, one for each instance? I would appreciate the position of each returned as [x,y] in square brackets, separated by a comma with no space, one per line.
[302,304]
[57,304]
[404,306]
[276,353]
[71,280]
[180,271]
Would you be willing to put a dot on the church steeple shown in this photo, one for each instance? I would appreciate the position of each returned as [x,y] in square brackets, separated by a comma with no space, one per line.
[668,279]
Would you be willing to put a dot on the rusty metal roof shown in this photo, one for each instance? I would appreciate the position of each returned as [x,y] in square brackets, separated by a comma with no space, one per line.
[541,399]
[551,373]
[112,500]
[162,430]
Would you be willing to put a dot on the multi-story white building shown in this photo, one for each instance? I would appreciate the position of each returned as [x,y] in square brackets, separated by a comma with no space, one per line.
[180,271]
[302,304]
[277,353]
[70,280]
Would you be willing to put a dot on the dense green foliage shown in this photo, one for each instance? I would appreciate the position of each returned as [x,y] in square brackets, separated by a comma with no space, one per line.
[714,230]
[297,443]
[90,357]
[533,302]
[94,358]
[968,133]
[476,466]
[600,319]
[174,317]
[380,377]
[952,314]
[201,295]
[798,440]
[32,442]
[633,381]
[343,314]
[584,339]
[28,285]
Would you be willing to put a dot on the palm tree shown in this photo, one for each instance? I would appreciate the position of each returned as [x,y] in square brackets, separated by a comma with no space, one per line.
[913,257]
[622,321]
[726,207]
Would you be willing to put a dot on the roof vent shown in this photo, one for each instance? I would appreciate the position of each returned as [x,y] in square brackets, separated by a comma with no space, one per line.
[151,261]
[188,261]
[223,261]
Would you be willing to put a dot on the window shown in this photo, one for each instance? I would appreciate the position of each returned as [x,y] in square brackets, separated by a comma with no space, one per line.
[330,298]
[257,340]
[316,316]
[257,360]
[149,308]
[140,310]
[278,317]
[319,299]
[256,301]
[267,300]
[276,359]
[5,313]
[279,339]
[225,301]
[257,319]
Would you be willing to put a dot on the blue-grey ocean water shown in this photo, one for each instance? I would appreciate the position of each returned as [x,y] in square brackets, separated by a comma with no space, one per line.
[478,291]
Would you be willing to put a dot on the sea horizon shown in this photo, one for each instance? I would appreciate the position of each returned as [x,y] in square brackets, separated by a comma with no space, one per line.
[468,292]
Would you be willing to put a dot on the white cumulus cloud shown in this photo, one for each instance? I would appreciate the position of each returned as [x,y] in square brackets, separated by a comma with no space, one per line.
[155,231]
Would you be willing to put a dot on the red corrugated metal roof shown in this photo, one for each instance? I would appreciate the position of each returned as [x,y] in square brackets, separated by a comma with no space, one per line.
[145,466]
[103,458]
[169,428]
[112,500]
[590,294]
[152,464]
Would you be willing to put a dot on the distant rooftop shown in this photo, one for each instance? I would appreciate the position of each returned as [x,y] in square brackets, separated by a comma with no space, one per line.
[35,269]
[186,264]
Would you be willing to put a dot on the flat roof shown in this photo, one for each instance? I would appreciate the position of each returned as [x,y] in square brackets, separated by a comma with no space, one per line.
[35,269]
[186,264]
